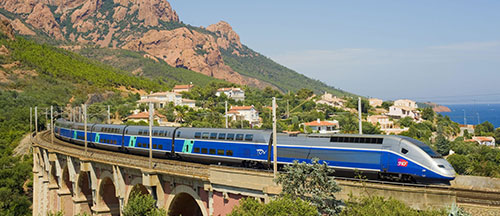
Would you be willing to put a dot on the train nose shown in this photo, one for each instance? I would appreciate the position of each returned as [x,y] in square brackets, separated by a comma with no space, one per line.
[445,168]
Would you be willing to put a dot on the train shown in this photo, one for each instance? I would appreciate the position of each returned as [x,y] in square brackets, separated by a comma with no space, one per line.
[387,157]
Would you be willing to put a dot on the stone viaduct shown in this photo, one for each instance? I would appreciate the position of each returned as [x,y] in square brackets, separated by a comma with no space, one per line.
[99,182]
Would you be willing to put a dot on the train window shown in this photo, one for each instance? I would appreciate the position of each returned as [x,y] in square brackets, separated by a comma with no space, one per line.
[211,151]
[154,145]
[197,135]
[334,139]
[230,136]
[213,135]
[249,137]
[442,166]
[140,132]
[187,148]
[380,140]
[404,151]
[160,146]
[126,131]
[363,140]
[204,150]
[229,153]
[222,136]
[178,133]
[356,139]
[239,136]
[160,133]
[101,140]
[114,142]
[220,151]
[155,133]
[196,150]
[204,135]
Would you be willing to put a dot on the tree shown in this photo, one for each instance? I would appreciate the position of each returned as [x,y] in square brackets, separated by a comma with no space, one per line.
[406,121]
[369,128]
[483,129]
[428,114]
[387,104]
[442,144]
[460,163]
[467,135]
[311,182]
[497,135]
[142,204]
[284,205]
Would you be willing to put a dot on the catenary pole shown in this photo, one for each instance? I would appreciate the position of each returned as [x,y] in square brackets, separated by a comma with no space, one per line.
[36,120]
[150,135]
[226,113]
[85,126]
[109,116]
[31,119]
[359,115]
[275,148]
[52,125]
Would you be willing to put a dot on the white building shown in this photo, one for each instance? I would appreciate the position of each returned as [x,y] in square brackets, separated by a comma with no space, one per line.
[483,140]
[144,116]
[402,112]
[382,120]
[406,103]
[404,108]
[161,99]
[182,88]
[375,102]
[247,113]
[330,100]
[188,102]
[319,126]
[234,93]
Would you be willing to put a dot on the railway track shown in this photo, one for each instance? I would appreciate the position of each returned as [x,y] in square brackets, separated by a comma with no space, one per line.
[464,196]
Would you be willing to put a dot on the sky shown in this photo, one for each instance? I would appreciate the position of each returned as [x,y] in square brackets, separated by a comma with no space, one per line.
[445,51]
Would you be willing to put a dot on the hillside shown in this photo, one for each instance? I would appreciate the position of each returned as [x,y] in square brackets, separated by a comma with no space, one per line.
[153,27]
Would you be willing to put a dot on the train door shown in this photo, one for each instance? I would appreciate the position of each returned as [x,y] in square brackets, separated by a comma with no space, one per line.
[74,134]
[132,141]
[188,146]
[384,158]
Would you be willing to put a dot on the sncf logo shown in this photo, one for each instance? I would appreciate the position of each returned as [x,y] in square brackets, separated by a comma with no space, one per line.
[402,163]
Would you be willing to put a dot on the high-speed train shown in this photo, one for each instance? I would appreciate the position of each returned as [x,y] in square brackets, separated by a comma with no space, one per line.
[396,158]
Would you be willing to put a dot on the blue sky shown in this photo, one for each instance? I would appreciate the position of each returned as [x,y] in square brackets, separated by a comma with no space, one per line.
[444,51]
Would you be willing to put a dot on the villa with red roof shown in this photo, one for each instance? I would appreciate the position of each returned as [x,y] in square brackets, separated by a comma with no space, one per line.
[182,88]
[144,116]
[247,113]
[234,93]
[319,126]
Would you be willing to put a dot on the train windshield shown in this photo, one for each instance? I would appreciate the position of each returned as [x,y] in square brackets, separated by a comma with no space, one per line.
[424,147]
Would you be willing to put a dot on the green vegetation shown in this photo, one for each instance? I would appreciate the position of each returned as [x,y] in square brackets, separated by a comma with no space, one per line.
[374,205]
[255,65]
[311,182]
[142,204]
[136,63]
[44,76]
[280,206]
[470,158]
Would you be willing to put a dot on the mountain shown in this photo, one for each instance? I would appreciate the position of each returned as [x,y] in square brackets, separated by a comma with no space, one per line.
[152,28]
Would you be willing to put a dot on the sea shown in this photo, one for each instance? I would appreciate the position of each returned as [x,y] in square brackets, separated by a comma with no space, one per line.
[474,113]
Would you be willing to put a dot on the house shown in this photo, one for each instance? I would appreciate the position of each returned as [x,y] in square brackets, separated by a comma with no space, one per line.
[247,113]
[161,99]
[319,126]
[188,102]
[382,120]
[406,103]
[483,140]
[182,88]
[404,108]
[234,93]
[330,100]
[402,112]
[144,116]
[375,102]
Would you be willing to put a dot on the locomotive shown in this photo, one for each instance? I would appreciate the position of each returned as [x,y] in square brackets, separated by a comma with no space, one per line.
[388,157]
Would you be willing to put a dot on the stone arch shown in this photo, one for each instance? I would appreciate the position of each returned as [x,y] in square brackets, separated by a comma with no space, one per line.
[66,183]
[107,196]
[84,191]
[182,200]
[53,180]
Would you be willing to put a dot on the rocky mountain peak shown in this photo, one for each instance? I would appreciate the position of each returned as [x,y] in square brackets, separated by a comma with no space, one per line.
[227,36]
[6,28]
